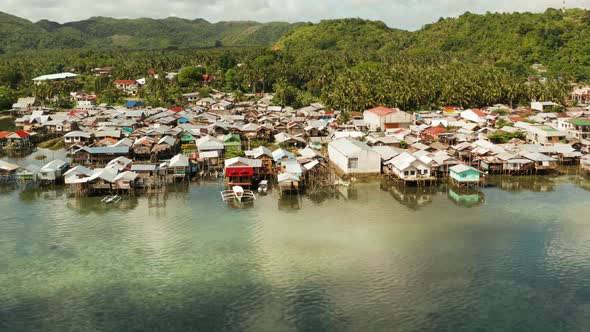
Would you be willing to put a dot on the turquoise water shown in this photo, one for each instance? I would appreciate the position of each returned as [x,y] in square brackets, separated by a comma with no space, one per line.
[513,257]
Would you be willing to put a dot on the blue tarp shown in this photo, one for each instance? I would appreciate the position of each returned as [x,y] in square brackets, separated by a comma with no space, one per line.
[132,104]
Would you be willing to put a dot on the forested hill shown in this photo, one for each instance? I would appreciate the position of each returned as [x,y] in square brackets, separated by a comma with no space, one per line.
[17,34]
[559,41]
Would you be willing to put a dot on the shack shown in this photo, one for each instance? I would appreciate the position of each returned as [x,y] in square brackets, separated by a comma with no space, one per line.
[53,172]
[99,156]
[465,176]
[288,183]
[241,171]
[8,172]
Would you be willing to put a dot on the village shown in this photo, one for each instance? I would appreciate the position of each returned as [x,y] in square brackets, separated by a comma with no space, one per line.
[132,149]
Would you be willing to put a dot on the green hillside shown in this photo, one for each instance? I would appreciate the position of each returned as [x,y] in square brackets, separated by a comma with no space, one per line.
[560,41]
[18,34]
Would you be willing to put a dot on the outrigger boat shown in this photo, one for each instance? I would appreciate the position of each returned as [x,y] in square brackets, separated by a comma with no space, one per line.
[111,199]
[238,194]
[263,187]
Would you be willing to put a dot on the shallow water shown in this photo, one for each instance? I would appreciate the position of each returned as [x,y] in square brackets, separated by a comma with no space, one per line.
[515,256]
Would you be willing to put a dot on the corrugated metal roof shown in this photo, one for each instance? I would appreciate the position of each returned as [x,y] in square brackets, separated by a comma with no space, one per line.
[243,162]
[59,76]
[287,177]
[349,147]
[106,150]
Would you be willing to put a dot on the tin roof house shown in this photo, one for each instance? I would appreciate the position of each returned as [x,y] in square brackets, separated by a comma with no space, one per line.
[383,118]
[354,157]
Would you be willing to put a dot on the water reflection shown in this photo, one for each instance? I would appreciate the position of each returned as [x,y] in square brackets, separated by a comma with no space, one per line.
[355,260]
[412,197]
[290,203]
[466,198]
[93,205]
[583,182]
[517,184]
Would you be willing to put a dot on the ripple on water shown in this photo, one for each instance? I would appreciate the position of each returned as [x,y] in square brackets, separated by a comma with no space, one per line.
[364,261]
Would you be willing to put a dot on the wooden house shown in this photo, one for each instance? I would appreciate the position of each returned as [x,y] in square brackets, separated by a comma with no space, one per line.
[179,167]
[408,168]
[465,176]
[266,157]
[543,163]
[142,148]
[241,171]
[125,181]
[99,156]
[53,172]
[8,172]
[165,149]
[289,183]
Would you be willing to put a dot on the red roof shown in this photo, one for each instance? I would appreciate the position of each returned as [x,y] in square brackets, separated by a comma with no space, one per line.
[478,112]
[176,109]
[125,81]
[4,134]
[382,110]
[22,134]
[74,112]
[434,131]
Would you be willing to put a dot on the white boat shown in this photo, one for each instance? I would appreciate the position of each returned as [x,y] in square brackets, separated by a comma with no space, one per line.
[263,187]
[342,183]
[111,199]
[238,194]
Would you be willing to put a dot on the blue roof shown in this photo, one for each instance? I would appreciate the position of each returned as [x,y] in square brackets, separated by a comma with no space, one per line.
[131,103]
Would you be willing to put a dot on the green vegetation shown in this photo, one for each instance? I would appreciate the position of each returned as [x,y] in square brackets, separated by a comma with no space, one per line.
[53,144]
[349,64]
[18,34]
[501,137]
[7,98]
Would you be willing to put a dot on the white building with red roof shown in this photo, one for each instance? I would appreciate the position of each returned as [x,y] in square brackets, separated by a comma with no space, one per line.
[474,115]
[383,118]
[129,86]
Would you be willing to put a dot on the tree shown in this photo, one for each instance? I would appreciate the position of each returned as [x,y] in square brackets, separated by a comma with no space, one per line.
[204,92]
[232,81]
[189,76]
[7,98]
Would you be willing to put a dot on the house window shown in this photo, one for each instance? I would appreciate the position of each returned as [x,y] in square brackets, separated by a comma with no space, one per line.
[406,173]
[412,172]
[353,163]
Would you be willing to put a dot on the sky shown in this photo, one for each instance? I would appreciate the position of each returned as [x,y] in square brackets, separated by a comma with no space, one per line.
[405,14]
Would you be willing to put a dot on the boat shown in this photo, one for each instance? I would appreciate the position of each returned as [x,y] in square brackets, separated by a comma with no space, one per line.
[111,199]
[342,183]
[263,187]
[238,194]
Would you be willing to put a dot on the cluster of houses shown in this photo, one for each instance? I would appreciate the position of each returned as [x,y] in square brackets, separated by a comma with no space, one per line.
[130,146]
[458,144]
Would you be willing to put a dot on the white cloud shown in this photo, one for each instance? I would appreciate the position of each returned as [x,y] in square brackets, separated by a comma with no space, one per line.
[409,14]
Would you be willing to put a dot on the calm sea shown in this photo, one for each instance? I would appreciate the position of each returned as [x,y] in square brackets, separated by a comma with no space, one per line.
[514,256]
